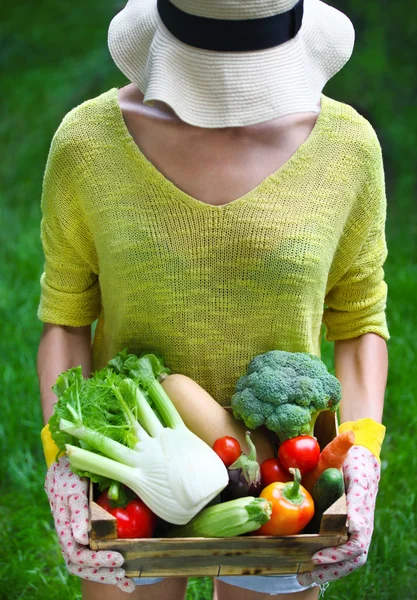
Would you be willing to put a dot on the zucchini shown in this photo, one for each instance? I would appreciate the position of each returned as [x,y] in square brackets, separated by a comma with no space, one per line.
[328,488]
[227,519]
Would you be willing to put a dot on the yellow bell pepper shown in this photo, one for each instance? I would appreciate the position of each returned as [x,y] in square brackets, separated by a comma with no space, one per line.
[50,449]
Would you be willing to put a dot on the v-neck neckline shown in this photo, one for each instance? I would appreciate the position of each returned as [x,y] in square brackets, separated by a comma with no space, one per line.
[285,168]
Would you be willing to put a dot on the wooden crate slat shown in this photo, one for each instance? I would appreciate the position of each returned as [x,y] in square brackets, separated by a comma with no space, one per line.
[181,571]
[214,571]
[199,556]
[259,570]
[291,544]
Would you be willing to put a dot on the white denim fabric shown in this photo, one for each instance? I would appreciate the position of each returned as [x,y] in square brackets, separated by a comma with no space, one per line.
[146,580]
[271,584]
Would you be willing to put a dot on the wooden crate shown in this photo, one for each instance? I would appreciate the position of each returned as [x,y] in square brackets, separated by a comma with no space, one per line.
[245,555]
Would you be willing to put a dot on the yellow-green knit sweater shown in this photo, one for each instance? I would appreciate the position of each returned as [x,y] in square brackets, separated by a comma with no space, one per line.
[210,287]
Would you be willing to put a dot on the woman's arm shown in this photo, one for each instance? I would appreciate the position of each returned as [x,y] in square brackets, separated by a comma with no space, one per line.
[361,366]
[60,349]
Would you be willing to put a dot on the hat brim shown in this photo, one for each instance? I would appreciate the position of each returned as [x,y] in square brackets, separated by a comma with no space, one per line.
[226,89]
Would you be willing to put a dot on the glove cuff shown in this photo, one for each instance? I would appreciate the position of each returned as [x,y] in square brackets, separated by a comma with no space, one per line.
[50,449]
[368,433]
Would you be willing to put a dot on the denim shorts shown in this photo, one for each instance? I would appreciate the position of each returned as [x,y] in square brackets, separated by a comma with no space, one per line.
[271,584]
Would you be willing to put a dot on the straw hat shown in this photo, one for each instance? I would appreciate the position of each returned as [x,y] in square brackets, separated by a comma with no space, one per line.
[225,63]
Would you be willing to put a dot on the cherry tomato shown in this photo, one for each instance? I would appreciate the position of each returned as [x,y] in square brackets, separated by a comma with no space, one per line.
[228,448]
[272,470]
[135,520]
[302,452]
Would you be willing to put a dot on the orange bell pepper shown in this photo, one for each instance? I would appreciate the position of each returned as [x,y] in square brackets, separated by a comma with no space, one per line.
[292,507]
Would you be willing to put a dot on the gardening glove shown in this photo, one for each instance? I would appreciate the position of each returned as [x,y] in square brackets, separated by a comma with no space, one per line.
[67,495]
[361,472]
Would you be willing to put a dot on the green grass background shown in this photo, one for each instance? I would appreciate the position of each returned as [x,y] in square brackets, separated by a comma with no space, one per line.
[53,56]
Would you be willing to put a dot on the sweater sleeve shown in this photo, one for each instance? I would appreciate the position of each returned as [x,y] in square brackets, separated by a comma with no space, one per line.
[356,296]
[70,291]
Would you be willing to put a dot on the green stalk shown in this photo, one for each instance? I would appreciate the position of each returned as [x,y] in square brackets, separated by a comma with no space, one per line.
[251,470]
[146,414]
[114,491]
[73,412]
[313,423]
[148,420]
[80,414]
[291,491]
[84,460]
[146,370]
[164,404]
[101,443]
[137,428]
[119,495]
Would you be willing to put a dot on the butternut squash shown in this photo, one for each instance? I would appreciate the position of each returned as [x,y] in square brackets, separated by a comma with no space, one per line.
[208,419]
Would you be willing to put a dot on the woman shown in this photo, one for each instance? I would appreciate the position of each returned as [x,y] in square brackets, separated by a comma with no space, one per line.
[210,209]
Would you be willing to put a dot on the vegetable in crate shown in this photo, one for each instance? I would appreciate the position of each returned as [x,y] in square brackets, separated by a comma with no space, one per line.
[228,448]
[286,391]
[328,488]
[332,456]
[301,452]
[134,519]
[110,414]
[272,470]
[227,519]
[292,507]
[244,475]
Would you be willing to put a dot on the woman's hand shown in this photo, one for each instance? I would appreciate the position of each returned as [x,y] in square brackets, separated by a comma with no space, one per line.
[361,472]
[67,495]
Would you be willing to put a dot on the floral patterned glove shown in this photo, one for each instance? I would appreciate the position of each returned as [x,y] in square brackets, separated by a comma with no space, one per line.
[361,472]
[67,495]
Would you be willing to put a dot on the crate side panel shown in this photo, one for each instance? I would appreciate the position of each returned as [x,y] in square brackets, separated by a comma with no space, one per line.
[334,519]
[200,556]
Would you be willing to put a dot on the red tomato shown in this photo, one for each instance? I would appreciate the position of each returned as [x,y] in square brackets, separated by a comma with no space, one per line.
[135,520]
[302,452]
[272,470]
[228,449]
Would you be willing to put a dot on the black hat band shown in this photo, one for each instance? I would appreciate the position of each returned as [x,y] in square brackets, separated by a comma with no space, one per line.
[228,35]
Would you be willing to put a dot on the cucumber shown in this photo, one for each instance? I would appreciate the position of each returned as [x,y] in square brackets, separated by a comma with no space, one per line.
[328,488]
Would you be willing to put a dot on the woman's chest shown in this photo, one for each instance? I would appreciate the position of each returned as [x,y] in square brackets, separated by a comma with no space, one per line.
[267,241]
[148,231]
[217,167]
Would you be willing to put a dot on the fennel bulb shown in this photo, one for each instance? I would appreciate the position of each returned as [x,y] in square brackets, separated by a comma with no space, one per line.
[172,470]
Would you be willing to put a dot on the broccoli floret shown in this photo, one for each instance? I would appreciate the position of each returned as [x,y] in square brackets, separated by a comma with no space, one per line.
[286,391]
[291,420]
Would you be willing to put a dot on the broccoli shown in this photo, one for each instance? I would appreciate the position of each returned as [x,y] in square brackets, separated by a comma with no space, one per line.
[286,391]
